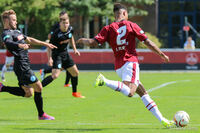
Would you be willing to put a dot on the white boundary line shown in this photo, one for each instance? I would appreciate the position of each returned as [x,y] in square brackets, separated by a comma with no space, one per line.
[163,85]
[98,124]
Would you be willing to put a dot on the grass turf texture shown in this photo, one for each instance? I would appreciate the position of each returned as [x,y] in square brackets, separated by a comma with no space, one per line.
[103,110]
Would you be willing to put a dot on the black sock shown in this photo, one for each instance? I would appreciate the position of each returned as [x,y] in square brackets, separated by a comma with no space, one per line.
[18,91]
[74,81]
[68,76]
[48,70]
[39,103]
[47,81]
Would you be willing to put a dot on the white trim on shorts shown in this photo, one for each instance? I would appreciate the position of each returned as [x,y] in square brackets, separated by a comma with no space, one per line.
[130,72]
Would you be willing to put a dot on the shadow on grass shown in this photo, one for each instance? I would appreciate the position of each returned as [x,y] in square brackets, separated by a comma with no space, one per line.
[59,129]
[81,129]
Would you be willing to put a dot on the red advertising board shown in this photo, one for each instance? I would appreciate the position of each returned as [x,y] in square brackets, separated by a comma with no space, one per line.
[106,57]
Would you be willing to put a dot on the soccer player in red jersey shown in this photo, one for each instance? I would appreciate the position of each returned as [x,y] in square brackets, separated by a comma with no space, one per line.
[9,60]
[121,36]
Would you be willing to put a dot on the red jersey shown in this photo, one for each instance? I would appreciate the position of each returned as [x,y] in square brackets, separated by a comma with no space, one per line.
[121,37]
[8,53]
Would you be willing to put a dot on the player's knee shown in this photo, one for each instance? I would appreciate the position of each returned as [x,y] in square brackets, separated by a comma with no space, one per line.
[75,74]
[55,76]
[131,94]
[28,94]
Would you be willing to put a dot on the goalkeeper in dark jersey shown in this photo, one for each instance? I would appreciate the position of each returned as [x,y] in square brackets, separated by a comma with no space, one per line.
[17,44]
[61,58]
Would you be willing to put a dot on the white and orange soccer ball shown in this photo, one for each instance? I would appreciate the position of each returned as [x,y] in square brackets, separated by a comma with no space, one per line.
[181,118]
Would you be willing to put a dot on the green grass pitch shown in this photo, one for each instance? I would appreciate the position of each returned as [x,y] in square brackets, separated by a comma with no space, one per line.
[103,110]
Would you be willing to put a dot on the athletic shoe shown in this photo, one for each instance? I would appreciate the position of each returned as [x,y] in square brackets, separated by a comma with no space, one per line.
[1,85]
[42,74]
[46,117]
[100,80]
[67,85]
[77,94]
[168,124]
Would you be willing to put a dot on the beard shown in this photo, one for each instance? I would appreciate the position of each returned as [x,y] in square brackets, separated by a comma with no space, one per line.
[12,26]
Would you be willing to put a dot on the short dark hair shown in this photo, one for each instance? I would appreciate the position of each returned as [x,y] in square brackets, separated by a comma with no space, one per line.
[118,6]
[62,13]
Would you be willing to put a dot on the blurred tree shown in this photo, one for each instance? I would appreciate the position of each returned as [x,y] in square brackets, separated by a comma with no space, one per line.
[39,15]
[90,8]
[153,38]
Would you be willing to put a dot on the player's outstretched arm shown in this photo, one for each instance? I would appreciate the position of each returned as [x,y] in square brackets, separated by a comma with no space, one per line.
[151,45]
[31,40]
[72,42]
[49,55]
[86,41]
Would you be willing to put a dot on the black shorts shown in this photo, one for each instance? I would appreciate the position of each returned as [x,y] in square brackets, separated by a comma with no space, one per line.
[62,60]
[25,77]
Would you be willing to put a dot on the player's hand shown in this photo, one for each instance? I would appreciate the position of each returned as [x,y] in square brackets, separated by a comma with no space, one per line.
[24,46]
[51,46]
[165,58]
[76,52]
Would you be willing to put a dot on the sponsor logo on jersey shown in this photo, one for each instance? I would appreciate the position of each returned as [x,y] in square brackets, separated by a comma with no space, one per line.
[20,37]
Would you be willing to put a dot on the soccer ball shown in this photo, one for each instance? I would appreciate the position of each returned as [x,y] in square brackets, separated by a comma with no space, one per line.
[181,118]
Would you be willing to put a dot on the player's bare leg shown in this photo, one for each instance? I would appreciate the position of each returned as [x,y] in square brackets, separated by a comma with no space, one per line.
[28,91]
[74,79]
[129,89]
[39,101]
[55,73]
[132,86]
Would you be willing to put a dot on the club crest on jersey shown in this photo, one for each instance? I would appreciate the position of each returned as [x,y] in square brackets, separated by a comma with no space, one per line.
[59,66]
[33,78]
[70,35]
[20,37]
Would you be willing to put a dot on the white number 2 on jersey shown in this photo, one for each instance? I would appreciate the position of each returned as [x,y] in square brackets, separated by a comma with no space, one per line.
[122,33]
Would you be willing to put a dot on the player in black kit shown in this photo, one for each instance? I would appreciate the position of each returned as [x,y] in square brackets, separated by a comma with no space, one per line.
[61,58]
[43,72]
[17,44]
